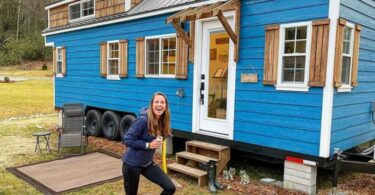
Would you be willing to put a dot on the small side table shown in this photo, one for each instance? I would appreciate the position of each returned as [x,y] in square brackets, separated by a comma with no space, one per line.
[38,136]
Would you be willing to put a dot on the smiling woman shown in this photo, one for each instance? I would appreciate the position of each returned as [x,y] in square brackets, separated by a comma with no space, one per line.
[144,136]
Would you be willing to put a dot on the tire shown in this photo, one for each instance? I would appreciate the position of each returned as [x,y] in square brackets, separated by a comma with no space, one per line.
[125,123]
[93,122]
[110,125]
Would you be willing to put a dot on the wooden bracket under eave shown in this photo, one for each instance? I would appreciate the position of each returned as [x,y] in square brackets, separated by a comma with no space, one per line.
[234,35]
[227,27]
[181,32]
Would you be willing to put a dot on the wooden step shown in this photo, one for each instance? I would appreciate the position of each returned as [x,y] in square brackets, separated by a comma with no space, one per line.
[201,175]
[194,157]
[219,152]
[208,146]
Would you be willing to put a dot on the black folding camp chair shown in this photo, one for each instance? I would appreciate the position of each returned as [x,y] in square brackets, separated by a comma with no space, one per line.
[73,131]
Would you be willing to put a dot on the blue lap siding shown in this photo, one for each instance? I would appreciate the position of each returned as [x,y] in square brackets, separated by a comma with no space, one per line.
[263,116]
[351,120]
[285,120]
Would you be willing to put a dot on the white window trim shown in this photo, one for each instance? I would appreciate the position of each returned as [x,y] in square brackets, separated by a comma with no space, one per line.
[58,74]
[294,86]
[145,57]
[113,76]
[128,5]
[81,11]
[345,87]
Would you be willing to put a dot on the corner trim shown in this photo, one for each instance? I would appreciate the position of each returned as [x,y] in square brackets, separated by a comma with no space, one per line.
[327,106]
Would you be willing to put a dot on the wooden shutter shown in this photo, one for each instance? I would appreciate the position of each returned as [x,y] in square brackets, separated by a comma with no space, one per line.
[338,53]
[140,57]
[63,58]
[271,55]
[103,59]
[192,38]
[319,53]
[123,45]
[54,60]
[357,33]
[182,58]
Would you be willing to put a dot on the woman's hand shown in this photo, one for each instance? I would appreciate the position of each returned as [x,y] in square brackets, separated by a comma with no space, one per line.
[155,144]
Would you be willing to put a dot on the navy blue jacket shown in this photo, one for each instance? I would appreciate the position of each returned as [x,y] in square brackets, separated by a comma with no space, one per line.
[136,139]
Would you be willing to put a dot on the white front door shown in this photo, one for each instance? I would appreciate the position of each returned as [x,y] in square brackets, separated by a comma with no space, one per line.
[214,80]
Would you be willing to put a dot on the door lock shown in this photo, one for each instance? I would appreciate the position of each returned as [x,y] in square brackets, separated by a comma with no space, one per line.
[202,93]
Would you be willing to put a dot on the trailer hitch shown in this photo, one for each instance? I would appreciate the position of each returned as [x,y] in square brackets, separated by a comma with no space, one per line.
[350,162]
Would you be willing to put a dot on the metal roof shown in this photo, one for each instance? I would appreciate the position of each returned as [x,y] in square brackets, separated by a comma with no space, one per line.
[149,5]
[145,6]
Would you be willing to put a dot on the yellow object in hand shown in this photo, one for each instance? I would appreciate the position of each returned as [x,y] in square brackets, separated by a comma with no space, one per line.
[164,156]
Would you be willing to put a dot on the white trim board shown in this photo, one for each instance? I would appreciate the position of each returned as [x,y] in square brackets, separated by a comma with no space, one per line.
[197,79]
[58,4]
[327,106]
[155,13]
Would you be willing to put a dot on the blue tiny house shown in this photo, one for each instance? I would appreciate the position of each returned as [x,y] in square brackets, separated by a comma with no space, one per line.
[272,77]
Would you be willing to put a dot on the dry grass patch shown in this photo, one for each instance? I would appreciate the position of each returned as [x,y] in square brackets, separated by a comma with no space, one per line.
[31,69]
[26,98]
[18,149]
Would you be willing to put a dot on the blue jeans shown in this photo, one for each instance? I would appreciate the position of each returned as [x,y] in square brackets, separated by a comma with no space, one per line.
[152,172]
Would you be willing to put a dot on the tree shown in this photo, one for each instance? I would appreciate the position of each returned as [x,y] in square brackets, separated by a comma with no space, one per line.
[21,23]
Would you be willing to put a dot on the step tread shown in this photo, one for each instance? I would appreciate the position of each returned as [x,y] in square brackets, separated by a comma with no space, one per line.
[187,170]
[195,157]
[206,145]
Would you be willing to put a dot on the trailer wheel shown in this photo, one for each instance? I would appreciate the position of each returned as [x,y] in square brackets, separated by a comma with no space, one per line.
[93,122]
[125,123]
[110,125]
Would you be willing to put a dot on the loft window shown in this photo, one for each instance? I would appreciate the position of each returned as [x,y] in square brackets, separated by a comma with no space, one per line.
[81,10]
[161,56]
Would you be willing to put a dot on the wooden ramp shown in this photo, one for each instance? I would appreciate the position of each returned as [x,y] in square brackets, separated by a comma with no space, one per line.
[191,161]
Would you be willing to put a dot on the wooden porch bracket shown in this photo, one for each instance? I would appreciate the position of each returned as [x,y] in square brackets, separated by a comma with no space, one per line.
[206,11]
[181,32]
[227,27]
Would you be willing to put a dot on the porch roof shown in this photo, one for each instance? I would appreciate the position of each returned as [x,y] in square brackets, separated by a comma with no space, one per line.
[216,9]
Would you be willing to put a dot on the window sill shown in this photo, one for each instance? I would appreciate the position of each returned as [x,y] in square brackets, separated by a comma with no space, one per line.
[59,76]
[81,19]
[292,88]
[345,88]
[161,76]
[113,77]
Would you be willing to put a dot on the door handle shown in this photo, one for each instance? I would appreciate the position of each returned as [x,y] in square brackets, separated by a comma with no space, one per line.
[202,93]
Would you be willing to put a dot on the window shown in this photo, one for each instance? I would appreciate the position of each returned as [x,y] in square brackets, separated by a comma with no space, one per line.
[82,9]
[113,59]
[59,61]
[294,58]
[161,56]
[347,56]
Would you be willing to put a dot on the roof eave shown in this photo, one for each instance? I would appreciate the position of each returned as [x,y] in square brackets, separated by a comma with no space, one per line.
[132,17]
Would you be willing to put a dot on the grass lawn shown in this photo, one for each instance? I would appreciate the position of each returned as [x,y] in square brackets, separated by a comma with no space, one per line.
[33,69]
[26,98]
[16,135]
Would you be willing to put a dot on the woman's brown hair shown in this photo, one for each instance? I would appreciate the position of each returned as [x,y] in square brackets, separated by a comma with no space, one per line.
[163,125]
